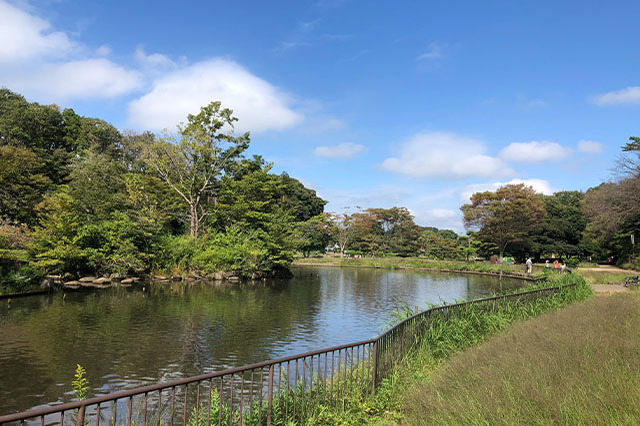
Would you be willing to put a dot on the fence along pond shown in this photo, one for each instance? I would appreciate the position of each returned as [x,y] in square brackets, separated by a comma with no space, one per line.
[288,388]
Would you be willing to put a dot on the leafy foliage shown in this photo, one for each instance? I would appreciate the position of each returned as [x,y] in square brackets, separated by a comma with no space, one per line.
[80,383]
[504,216]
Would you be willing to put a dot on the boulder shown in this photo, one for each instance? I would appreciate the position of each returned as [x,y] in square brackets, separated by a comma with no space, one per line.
[102,280]
[127,281]
[68,276]
[87,279]
[72,284]
[160,278]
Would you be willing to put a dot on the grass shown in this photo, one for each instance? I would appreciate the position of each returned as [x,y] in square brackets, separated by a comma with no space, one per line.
[391,262]
[448,335]
[604,277]
[579,365]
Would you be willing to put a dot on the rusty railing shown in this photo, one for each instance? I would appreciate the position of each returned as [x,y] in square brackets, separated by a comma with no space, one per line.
[269,392]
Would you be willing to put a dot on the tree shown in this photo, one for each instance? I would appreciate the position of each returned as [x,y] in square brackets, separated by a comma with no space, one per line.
[629,161]
[504,216]
[390,221]
[314,233]
[97,185]
[613,210]
[342,229]
[22,184]
[439,244]
[192,162]
[560,232]
[37,128]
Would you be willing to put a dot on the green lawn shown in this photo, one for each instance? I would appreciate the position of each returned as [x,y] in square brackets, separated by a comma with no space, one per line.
[578,365]
[604,277]
[414,263]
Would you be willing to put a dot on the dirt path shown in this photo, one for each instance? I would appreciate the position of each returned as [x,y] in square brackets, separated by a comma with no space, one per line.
[609,268]
[603,289]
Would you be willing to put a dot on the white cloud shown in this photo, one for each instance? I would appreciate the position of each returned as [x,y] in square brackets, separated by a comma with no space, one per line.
[154,60]
[45,64]
[628,95]
[446,155]
[435,51]
[259,105]
[23,36]
[344,150]
[589,146]
[91,78]
[103,50]
[539,185]
[440,218]
[534,152]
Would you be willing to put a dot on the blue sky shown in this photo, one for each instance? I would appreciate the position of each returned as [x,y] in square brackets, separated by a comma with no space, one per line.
[371,103]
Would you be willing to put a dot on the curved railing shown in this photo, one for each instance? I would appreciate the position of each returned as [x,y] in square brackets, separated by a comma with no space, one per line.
[269,392]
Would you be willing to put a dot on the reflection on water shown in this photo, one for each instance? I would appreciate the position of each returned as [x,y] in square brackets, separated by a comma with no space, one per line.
[129,337]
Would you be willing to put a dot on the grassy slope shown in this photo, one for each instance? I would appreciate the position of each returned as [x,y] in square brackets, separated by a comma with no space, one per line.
[578,365]
[449,336]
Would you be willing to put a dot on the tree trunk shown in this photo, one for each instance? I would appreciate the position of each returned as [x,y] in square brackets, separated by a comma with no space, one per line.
[194,225]
[503,247]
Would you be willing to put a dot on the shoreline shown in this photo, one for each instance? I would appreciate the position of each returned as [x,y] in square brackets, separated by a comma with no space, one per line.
[514,275]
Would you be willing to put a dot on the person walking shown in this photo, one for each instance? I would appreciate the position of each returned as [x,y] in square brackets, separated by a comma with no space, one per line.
[529,266]
[556,265]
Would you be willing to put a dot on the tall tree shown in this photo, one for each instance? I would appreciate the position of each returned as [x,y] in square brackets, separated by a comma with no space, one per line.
[192,162]
[560,232]
[390,222]
[504,216]
[342,229]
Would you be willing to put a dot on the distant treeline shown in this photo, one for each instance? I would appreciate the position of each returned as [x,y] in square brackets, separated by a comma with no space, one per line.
[79,196]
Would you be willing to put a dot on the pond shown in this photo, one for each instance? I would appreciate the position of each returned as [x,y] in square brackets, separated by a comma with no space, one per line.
[129,337]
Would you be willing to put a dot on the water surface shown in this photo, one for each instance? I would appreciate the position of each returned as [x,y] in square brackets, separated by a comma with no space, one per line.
[127,337]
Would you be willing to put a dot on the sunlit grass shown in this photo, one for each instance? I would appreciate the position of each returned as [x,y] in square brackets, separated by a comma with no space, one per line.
[578,365]
[604,277]
[391,262]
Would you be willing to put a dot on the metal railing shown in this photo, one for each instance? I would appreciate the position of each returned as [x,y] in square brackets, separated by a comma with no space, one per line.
[269,392]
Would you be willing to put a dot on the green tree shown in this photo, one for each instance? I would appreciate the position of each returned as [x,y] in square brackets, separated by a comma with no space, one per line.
[84,133]
[22,184]
[561,230]
[97,185]
[504,216]
[192,162]
[440,244]
[314,233]
[390,223]
[38,128]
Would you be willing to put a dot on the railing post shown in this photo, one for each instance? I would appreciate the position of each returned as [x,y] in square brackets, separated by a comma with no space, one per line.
[80,419]
[374,367]
[270,395]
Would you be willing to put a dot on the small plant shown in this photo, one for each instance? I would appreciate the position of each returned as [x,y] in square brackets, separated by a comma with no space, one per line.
[80,383]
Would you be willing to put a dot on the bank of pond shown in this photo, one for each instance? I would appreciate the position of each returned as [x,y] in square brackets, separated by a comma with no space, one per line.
[152,332]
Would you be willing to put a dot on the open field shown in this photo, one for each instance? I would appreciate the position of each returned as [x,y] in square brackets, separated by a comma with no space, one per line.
[578,365]
[415,263]
[609,275]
